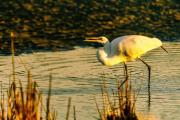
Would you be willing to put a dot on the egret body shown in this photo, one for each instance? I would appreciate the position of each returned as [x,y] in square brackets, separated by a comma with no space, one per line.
[124,49]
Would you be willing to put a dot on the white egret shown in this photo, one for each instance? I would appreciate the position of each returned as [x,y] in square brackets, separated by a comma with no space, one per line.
[124,49]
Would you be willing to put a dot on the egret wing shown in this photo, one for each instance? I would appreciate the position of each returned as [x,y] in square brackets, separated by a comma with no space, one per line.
[134,46]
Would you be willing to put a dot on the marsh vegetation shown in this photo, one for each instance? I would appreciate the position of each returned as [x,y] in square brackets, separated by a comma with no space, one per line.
[62,24]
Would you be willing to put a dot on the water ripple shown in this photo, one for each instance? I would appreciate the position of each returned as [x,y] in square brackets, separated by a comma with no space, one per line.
[77,73]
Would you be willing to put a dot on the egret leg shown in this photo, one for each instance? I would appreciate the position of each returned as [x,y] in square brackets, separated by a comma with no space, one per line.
[126,76]
[126,71]
[149,77]
[126,83]
[126,80]
[164,49]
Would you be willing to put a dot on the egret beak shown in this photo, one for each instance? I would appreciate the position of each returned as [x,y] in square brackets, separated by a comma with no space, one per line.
[164,49]
[92,39]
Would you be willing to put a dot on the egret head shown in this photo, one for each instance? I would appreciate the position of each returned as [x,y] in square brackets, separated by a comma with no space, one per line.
[101,39]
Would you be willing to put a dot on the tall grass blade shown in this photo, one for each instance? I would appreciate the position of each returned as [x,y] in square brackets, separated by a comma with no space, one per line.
[74,109]
[68,108]
[48,99]
[12,34]
[97,107]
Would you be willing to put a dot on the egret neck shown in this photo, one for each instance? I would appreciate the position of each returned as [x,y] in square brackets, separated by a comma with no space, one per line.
[105,56]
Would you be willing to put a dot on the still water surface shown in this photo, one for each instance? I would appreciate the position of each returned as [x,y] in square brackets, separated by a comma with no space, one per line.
[78,74]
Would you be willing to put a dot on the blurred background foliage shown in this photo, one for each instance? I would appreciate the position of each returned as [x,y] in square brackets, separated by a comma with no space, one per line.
[57,24]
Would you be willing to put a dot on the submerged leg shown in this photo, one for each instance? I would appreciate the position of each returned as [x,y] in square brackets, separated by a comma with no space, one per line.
[149,77]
